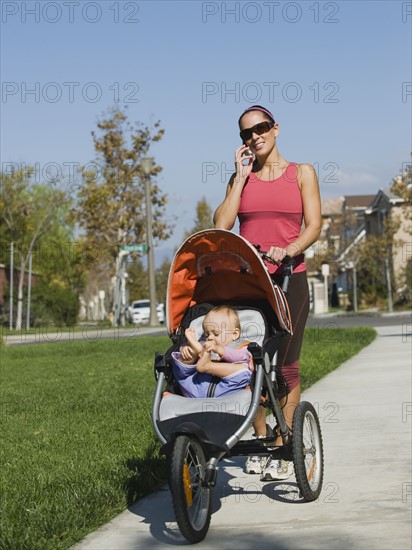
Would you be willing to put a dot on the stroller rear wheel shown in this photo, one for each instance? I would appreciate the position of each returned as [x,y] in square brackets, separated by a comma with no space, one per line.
[307,451]
[191,499]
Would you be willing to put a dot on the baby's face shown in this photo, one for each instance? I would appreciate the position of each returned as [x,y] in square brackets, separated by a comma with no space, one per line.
[220,328]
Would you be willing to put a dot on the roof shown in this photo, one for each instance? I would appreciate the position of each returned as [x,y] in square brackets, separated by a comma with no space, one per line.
[358,201]
[332,207]
[391,197]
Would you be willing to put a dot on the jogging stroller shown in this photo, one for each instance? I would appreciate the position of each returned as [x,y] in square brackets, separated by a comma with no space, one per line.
[214,267]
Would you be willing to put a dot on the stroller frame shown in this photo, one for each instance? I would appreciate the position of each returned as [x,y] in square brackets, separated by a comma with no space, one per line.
[195,434]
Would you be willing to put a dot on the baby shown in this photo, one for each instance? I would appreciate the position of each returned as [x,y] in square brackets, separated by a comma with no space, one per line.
[196,364]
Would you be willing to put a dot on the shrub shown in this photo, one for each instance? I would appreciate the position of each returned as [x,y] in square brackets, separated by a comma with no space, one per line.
[53,303]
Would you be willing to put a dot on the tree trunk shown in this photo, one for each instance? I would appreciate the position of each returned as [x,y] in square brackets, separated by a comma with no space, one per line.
[116,294]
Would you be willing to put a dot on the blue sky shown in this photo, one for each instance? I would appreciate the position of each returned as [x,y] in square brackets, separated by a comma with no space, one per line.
[337,76]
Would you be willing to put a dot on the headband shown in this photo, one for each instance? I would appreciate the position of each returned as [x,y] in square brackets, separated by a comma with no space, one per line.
[258,108]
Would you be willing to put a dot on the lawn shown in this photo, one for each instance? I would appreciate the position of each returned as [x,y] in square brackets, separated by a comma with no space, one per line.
[77,444]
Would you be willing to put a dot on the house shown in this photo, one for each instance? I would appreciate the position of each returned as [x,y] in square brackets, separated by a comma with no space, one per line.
[354,209]
[343,219]
[352,225]
[387,206]
[346,223]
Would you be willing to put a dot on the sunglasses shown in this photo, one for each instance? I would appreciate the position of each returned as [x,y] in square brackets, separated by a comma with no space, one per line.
[258,129]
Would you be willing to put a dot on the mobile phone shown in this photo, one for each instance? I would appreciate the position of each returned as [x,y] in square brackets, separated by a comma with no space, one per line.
[248,153]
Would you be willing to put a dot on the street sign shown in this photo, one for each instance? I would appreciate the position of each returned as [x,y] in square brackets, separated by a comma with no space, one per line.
[134,247]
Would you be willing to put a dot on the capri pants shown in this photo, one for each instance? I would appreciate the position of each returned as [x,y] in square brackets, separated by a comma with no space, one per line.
[287,364]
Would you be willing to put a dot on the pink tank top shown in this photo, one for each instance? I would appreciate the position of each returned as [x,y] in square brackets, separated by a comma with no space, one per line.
[271,213]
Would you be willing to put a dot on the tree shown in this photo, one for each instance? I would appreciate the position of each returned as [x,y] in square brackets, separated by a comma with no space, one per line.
[137,281]
[162,275]
[204,219]
[54,303]
[402,187]
[376,253]
[28,212]
[369,258]
[111,197]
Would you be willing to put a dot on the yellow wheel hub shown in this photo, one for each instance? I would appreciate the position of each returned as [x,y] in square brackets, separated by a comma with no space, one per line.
[312,469]
[187,485]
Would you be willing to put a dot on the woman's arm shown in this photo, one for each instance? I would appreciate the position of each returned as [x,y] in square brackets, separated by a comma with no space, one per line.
[309,189]
[226,212]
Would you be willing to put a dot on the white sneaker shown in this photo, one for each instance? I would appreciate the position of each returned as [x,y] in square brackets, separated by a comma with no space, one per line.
[277,470]
[255,464]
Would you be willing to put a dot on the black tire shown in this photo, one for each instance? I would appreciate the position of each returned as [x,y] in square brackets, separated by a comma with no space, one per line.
[307,449]
[191,500]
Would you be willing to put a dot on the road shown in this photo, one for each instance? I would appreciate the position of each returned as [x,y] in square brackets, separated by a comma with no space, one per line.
[365,320]
[91,333]
[44,335]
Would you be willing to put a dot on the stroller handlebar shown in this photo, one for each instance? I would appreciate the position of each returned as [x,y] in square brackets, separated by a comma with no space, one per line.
[288,264]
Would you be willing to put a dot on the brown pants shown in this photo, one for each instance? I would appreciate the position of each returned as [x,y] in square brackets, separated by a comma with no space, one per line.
[287,364]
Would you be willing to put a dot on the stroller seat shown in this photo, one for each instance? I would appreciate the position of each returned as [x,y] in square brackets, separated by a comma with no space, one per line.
[214,419]
[252,323]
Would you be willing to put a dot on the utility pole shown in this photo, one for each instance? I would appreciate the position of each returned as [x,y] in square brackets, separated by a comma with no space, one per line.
[147,166]
[11,285]
[355,289]
[325,273]
[29,293]
[388,285]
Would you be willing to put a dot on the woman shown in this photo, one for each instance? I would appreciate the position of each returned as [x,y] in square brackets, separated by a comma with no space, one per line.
[272,196]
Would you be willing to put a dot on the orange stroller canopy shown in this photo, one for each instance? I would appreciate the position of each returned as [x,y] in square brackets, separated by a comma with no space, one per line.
[216,265]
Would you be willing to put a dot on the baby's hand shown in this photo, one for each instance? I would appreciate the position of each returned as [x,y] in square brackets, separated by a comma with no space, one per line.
[193,343]
[211,347]
[188,354]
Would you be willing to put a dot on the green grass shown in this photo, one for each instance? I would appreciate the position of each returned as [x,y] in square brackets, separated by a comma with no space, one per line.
[325,349]
[77,440]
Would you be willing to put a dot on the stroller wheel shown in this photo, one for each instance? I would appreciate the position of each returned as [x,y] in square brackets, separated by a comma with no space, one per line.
[307,451]
[191,500]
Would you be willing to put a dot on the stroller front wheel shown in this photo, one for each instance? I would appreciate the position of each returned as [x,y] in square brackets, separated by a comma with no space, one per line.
[307,450]
[191,499]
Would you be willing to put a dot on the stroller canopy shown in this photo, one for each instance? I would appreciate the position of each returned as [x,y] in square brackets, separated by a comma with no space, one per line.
[216,265]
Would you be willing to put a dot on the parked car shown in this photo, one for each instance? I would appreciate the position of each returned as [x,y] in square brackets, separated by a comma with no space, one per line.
[139,312]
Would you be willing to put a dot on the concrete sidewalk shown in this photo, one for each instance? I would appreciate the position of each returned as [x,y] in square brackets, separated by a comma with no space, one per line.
[365,408]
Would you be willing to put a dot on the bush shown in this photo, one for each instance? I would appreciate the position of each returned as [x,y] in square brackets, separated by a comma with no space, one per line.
[53,304]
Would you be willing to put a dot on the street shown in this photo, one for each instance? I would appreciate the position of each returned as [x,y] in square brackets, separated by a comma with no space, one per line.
[92,333]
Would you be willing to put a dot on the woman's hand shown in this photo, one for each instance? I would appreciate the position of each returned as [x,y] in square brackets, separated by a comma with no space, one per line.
[276,253]
[242,171]
[226,213]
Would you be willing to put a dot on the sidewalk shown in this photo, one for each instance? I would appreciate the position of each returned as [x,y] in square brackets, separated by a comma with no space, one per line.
[365,409]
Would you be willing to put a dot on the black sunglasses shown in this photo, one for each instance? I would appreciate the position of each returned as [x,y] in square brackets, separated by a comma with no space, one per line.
[258,129]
